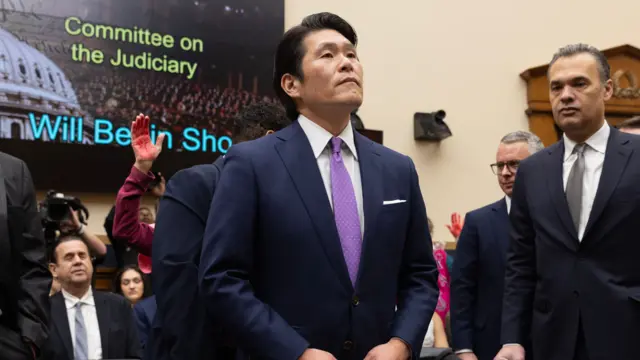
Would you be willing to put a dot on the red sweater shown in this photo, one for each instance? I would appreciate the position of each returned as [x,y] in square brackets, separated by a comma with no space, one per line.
[125,222]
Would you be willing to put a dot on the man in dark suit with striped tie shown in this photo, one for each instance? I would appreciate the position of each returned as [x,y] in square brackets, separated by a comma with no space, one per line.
[86,324]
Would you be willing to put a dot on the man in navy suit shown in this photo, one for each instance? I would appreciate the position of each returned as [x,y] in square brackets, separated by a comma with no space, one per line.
[181,329]
[478,272]
[572,279]
[316,232]
[144,312]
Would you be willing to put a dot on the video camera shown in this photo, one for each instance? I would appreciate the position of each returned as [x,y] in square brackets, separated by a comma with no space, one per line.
[56,207]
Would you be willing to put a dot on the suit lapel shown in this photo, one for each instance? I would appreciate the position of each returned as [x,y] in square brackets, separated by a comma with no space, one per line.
[500,218]
[104,316]
[297,155]
[615,161]
[61,320]
[556,190]
[372,192]
[5,249]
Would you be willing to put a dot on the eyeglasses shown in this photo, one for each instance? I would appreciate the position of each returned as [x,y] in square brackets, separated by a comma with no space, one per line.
[498,167]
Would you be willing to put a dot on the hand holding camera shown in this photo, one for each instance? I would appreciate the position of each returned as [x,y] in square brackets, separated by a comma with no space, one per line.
[72,224]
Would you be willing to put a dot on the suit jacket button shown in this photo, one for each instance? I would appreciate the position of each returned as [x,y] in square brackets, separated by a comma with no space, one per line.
[355,301]
[576,293]
[348,345]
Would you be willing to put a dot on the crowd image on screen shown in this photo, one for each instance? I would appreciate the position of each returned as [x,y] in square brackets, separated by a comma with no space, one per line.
[174,104]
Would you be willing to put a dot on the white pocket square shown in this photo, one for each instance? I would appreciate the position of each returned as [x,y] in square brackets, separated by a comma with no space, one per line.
[391,202]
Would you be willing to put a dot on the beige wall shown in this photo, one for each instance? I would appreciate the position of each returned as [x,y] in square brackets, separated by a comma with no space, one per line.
[463,57]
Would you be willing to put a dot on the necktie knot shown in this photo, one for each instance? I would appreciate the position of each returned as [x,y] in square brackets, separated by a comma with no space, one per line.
[580,148]
[336,145]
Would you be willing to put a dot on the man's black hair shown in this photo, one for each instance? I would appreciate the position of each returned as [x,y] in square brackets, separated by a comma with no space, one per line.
[633,123]
[253,121]
[291,50]
[62,239]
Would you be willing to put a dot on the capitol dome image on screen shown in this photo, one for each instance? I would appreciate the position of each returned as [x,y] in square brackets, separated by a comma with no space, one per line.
[32,83]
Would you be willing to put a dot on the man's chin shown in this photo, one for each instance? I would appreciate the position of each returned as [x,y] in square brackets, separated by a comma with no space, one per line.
[569,122]
[79,277]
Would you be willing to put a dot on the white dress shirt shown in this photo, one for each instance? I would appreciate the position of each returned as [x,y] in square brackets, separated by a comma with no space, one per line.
[319,139]
[593,161]
[90,316]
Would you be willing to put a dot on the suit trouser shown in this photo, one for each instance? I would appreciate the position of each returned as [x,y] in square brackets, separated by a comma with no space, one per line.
[12,347]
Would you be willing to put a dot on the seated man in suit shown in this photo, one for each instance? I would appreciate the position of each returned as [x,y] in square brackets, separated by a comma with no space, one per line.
[86,324]
[478,272]
[177,243]
[315,233]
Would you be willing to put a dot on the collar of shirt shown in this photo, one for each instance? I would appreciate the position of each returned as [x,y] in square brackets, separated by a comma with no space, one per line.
[319,137]
[71,301]
[597,141]
[508,201]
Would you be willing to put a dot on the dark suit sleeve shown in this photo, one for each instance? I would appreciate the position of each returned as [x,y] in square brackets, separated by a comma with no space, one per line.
[418,278]
[226,266]
[520,275]
[176,251]
[132,342]
[35,278]
[143,324]
[464,284]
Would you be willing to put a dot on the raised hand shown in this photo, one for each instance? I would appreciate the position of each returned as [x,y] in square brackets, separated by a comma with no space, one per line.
[455,228]
[145,151]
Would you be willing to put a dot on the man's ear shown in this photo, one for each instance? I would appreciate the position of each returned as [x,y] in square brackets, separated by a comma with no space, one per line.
[269,132]
[53,268]
[290,85]
[608,90]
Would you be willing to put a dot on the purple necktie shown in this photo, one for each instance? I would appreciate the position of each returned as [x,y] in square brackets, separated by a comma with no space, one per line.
[345,209]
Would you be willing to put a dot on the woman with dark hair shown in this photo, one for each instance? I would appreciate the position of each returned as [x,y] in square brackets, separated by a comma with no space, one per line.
[129,282]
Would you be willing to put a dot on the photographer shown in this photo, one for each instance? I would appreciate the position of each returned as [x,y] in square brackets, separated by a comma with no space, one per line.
[73,226]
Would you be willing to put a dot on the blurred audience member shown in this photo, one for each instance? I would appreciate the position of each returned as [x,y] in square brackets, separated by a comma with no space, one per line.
[24,279]
[129,282]
[457,222]
[479,269]
[436,334]
[132,223]
[86,324]
[440,255]
[631,126]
